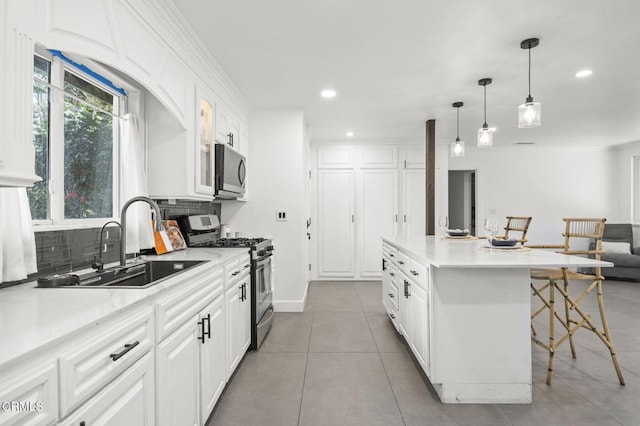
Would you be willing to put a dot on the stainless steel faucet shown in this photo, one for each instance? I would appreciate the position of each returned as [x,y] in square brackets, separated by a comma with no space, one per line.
[123,223]
[97,260]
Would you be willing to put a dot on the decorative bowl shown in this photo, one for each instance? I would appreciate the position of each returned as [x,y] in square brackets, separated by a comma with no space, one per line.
[503,243]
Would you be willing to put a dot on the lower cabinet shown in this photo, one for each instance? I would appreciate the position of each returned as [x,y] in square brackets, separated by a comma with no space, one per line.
[213,372]
[36,390]
[128,400]
[238,304]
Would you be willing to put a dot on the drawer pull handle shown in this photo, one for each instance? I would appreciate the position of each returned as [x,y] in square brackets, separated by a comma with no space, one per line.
[127,348]
[401,262]
[391,295]
[235,273]
[247,265]
[392,316]
[391,254]
[414,273]
[392,274]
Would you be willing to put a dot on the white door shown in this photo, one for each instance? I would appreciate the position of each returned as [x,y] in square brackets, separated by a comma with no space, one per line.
[419,324]
[213,372]
[234,327]
[178,376]
[377,217]
[336,240]
[414,196]
[128,400]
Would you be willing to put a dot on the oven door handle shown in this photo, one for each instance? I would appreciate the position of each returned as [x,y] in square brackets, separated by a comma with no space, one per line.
[263,261]
[264,320]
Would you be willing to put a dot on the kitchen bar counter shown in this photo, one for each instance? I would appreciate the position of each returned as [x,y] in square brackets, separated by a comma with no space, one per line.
[33,319]
[475,317]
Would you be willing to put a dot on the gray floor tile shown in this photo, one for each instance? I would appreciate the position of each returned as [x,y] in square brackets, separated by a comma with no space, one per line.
[348,389]
[370,295]
[385,335]
[337,297]
[266,390]
[290,332]
[341,332]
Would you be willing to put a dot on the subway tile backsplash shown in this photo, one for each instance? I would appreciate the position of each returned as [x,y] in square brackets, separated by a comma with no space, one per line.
[74,249]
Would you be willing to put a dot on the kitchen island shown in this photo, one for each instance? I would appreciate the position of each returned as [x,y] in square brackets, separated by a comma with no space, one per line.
[465,310]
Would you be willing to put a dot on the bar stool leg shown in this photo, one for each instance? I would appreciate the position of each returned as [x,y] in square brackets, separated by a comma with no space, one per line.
[607,335]
[567,311]
[552,346]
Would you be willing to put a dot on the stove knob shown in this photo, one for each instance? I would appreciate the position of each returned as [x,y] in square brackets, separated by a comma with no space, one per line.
[269,248]
[261,253]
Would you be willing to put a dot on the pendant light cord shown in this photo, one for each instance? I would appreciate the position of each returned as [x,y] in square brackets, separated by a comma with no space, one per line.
[457,123]
[529,71]
[485,106]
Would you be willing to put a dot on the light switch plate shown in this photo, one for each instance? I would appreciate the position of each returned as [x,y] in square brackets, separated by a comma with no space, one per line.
[281,216]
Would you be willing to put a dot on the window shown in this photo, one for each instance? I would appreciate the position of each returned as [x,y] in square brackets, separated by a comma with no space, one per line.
[76,137]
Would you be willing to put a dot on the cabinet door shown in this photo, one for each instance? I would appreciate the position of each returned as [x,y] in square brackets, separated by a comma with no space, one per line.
[128,400]
[336,226]
[235,337]
[414,157]
[414,203]
[419,325]
[377,157]
[377,216]
[213,373]
[335,157]
[177,396]
[246,316]
[204,155]
[404,308]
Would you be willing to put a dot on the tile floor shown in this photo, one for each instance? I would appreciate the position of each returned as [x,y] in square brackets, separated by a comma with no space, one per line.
[340,362]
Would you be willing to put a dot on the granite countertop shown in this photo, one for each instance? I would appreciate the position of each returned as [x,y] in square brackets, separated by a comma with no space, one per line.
[34,318]
[477,254]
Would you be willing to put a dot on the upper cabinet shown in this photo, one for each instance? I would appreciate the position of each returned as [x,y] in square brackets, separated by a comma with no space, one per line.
[335,156]
[17,153]
[414,157]
[228,128]
[204,152]
[377,156]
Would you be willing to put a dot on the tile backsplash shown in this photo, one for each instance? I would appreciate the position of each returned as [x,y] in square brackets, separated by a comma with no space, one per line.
[74,249]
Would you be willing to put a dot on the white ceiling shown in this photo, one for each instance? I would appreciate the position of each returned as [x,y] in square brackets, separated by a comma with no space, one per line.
[396,64]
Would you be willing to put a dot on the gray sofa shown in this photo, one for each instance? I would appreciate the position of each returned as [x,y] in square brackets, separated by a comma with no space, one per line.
[627,265]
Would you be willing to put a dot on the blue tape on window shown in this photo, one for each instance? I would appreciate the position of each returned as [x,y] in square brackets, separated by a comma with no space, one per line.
[88,71]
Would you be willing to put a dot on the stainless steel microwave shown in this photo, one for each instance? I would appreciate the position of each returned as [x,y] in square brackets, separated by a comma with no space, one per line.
[231,171]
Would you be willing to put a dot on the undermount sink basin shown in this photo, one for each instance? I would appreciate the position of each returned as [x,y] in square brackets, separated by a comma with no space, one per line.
[140,275]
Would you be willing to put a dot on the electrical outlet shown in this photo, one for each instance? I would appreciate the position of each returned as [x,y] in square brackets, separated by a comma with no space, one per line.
[281,215]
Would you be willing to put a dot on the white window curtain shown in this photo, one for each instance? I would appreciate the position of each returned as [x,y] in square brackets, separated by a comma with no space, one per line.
[17,240]
[134,183]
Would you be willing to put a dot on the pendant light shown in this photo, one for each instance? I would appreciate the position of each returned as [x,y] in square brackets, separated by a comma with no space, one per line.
[485,135]
[529,112]
[457,146]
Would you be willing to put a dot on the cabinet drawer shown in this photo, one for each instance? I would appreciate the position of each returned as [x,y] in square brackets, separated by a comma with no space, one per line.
[392,295]
[128,400]
[236,269]
[182,304]
[36,390]
[103,354]
[402,260]
[418,272]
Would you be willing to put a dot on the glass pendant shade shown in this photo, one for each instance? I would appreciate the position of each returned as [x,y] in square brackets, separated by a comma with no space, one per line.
[529,115]
[457,148]
[485,137]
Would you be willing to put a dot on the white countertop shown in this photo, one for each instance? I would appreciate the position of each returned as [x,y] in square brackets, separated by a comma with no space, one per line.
[32,318]
[477,254]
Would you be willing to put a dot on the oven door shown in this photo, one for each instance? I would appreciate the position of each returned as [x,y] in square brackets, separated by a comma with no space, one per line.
[264,292]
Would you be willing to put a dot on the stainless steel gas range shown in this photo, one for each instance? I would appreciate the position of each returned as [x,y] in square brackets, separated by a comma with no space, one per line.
[202,231]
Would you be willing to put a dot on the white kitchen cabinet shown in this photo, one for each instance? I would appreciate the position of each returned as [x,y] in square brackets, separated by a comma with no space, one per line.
[419,322]
[377,157]
[414,208]
[227,128]
[336,227]
[128,400]
[178,376]
[35,387]
[204,152]
[377,216]
[17,152]
[213,374]
[238,306]
[414,157]
[335,157]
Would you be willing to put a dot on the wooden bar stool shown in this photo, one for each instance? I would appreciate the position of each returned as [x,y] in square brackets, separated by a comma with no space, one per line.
[518,224]
[558,280]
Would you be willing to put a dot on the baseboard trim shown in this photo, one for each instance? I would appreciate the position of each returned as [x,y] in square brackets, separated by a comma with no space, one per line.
[291,305]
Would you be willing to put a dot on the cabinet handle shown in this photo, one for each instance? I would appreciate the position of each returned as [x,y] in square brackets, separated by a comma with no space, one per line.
[353,218]
[384,265]
[391,254]
[414,273]
[400,262]
[405,218]
[201,324]
[244,291]
[241,292]
[406,289]
[396,218]
[247,266]
[392,274]
[208,332]
[391,295]
[392,316]
[127,348]
[230,139]
[235,273]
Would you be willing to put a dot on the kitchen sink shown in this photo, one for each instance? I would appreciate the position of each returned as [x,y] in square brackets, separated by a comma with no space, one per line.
[139,275]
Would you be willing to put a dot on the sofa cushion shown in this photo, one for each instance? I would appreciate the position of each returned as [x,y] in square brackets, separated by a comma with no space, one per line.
[616,247]
[622,260]
[618,232]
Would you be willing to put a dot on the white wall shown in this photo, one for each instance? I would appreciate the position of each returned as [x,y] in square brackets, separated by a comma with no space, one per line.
[546,183]
[278,182]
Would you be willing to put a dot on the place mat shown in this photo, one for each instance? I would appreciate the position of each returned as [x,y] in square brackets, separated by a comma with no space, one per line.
[505,249]
[466,237]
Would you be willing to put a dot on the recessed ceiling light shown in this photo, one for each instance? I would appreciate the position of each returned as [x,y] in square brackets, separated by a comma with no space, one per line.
[584,73]
[328,93]
[524,143]
[349,134]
